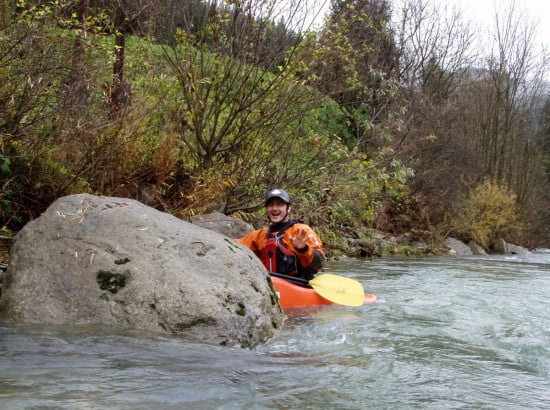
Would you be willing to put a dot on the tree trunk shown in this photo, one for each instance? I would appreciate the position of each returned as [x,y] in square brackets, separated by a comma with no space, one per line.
[119,90]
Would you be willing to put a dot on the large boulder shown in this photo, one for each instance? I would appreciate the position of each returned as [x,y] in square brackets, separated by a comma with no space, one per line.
[115,261]
[227,225]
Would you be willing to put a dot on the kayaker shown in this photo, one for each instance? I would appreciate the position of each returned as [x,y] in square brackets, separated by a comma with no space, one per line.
[287,246]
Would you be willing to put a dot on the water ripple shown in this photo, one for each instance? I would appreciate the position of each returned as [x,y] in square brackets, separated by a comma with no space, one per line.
[445,333]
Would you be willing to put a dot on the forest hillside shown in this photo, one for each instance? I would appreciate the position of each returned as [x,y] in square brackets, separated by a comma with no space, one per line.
[391,117]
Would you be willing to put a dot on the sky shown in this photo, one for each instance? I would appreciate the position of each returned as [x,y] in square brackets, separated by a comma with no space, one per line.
[483,12]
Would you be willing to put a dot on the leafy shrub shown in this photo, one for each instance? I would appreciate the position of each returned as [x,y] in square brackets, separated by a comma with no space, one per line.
[490,211]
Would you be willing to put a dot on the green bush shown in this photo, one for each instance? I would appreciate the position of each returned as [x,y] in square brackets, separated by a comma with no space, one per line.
[490,211]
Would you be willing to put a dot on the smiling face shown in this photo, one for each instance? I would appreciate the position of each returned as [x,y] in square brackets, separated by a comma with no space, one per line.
[277,210]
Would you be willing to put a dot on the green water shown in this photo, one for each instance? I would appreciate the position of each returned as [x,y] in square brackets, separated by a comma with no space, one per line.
[445,333]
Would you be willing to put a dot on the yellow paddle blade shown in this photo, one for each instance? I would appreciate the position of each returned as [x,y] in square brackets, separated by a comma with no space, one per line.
[337,289]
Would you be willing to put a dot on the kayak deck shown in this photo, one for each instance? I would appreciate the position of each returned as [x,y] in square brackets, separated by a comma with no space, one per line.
[294,296]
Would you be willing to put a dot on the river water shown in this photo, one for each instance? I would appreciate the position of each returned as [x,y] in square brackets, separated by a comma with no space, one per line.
[445,333]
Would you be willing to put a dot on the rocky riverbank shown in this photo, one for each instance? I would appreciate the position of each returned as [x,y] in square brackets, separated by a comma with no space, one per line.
[378,244]
[381,244]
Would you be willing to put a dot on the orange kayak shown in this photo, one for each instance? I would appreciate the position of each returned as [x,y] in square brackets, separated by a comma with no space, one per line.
[295,296]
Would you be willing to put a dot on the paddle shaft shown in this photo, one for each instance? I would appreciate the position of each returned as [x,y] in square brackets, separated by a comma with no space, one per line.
[292,279]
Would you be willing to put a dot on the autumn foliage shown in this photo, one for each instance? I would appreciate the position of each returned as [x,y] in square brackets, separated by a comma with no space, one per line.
[489,212]
[200,106]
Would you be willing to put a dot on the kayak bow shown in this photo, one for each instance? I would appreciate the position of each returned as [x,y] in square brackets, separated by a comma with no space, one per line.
[292,295]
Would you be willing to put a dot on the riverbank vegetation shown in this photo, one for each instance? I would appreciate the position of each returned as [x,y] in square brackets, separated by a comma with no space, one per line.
[390,116]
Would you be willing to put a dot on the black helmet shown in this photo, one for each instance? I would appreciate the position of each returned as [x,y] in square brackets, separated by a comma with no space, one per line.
[278,193]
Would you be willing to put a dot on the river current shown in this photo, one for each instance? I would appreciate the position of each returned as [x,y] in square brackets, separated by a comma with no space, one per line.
[445,333]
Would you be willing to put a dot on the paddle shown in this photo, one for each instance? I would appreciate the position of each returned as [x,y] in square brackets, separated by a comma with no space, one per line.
[292,279]
[337,289]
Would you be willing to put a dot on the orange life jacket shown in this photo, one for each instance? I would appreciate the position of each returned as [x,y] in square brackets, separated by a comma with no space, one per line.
[277,258]
[274,248]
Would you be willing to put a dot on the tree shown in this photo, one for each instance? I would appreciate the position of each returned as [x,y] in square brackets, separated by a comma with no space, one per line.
[353,61]
[236,105]
[435,48]
[543,131]
[490,212]
[470,113]
[125,17]
[35,63]
[57,135]
[508,95]
[229,86]
[118,90]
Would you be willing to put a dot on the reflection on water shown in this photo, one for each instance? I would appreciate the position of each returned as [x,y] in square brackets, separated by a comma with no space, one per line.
[445,333]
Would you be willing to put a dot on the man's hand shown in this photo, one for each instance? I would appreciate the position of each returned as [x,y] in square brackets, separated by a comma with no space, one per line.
[299,241]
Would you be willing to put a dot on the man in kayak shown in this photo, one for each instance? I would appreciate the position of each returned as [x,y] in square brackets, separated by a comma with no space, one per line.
[287,246]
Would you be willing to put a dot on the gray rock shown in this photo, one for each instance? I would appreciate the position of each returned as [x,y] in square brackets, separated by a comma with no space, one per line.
[227,225]
[113,261]
[476,249]
[518,250]
[405,238]
[457,247]
[409,239]
[500,247]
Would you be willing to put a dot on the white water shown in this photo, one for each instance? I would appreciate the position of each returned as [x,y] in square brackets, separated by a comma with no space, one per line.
[445,333]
